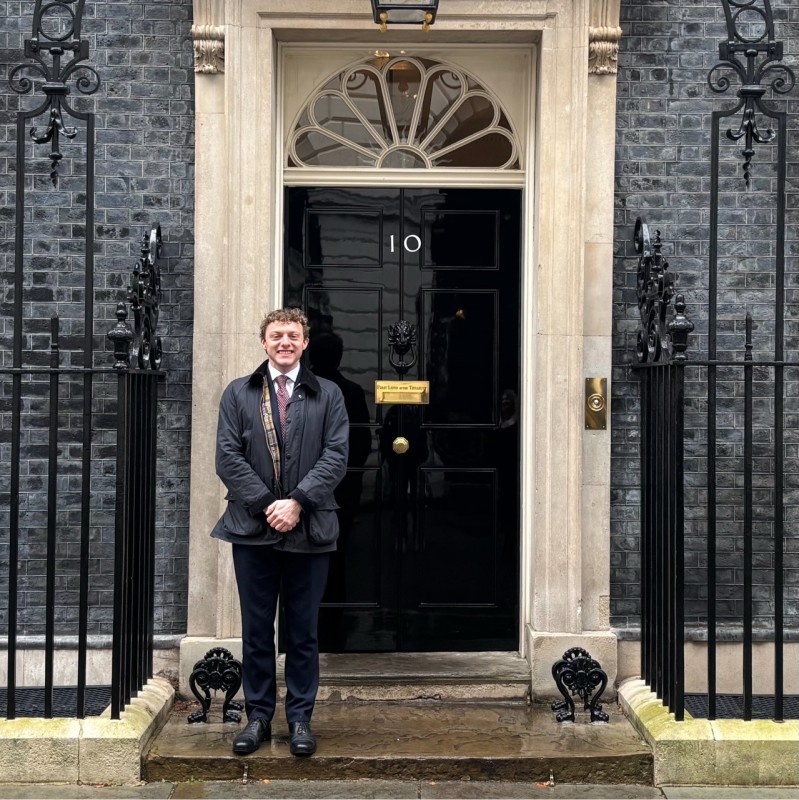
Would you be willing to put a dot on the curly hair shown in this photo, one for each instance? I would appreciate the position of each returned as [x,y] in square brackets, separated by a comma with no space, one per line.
[286,315]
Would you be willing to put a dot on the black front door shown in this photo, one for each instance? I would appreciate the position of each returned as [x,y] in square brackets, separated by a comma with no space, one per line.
[429,510]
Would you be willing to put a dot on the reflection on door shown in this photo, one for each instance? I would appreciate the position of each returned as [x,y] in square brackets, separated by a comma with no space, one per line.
[429,546]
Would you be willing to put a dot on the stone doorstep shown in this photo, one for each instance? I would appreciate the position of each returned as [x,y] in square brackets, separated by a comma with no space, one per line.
[399,677]
[412,741]
[92,750]
[712,753]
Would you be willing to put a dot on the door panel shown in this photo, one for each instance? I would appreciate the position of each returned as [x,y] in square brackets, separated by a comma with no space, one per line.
[428,553]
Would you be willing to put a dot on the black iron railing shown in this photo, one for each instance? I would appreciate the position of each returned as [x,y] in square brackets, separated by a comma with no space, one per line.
[137,369]
[661,348]
[71,392]
[663,369]
[751,55]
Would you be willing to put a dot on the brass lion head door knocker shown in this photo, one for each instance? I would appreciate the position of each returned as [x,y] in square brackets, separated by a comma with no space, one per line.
[402,340]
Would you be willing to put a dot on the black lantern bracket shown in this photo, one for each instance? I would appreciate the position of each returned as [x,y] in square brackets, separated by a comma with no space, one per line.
[422,12]
[57,51]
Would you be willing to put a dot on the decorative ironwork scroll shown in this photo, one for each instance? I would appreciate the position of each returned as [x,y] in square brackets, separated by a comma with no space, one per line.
[753,54]
[402,340]
[56,34]
[141,347]
[658,340]
[217,670]
[579,675]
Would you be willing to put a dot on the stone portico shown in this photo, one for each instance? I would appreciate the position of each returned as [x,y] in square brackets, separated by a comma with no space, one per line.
[566,281]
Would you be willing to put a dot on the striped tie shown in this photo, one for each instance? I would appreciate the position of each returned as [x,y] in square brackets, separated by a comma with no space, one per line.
[282,402]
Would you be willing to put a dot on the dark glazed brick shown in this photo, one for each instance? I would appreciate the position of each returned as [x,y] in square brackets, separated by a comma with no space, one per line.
[667,49]
[142,54]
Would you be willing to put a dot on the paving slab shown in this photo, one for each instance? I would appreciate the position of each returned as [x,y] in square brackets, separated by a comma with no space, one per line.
[33,791]
[222,790]
[504,790]
[731,792]
[413,741]
[331,790]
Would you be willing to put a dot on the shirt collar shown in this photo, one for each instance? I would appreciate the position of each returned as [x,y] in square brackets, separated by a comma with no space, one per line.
[292,376]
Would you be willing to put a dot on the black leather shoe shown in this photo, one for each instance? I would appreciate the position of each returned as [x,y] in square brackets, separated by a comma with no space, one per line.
[303,742]
[250,739]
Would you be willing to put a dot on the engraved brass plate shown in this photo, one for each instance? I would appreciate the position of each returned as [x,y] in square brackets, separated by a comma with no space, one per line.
[408,392]
[596,404]
[400,445]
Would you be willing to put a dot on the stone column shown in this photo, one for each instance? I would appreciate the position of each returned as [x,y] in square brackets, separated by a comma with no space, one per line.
[212,268]
[603,48]
[572,525]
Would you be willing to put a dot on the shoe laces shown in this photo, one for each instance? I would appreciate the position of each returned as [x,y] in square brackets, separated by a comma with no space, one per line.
[302,729]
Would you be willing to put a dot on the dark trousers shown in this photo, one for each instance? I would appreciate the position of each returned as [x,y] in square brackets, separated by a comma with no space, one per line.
[261,574]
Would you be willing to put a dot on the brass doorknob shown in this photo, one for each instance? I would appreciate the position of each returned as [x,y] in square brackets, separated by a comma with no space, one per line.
[400,445]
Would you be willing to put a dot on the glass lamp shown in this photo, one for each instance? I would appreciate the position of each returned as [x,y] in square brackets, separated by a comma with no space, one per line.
[405,12]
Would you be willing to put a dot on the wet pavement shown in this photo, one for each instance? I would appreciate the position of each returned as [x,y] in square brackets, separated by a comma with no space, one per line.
[413,741]
[387,790]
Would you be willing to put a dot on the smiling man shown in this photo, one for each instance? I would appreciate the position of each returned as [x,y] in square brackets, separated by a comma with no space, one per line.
[281,451]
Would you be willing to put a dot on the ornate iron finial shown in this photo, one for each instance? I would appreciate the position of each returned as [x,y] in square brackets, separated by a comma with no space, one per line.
[144,295]
[753,54]
[56,32]
[121,335]
[679,328]
[657,339]
[402,339]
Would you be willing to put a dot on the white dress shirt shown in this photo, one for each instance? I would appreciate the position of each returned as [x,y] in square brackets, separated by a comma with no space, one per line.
[292,377]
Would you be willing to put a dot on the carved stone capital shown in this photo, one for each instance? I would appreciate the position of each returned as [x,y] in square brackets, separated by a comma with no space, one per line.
[603,50]
[209,49]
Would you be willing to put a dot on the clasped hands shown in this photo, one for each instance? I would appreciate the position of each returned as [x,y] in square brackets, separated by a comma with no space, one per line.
[283,515]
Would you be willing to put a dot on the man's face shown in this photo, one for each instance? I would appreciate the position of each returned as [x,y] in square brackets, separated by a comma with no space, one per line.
[284,344]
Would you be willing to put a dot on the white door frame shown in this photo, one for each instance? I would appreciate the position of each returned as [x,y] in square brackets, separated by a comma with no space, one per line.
[567,284]
[421,178]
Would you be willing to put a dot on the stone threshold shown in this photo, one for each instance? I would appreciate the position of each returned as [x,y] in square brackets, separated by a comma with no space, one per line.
[424,676]
[712,752]
[423,740]
[497,676]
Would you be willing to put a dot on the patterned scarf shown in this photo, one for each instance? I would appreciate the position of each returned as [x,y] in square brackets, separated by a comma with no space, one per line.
[271,436]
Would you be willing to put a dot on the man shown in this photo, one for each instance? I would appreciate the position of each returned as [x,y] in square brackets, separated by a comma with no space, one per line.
[281,451]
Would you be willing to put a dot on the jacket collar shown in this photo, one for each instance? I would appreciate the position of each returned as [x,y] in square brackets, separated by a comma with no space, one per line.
[306,377]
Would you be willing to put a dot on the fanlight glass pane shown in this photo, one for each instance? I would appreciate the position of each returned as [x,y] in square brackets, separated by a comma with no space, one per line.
[384,111]
[403,79]
[472,115]
[315,147]
[443,90]
[491,150]
[403,159]
[365,92]
[334,114]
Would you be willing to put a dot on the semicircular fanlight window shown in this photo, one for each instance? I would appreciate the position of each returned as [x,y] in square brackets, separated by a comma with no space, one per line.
[403,112]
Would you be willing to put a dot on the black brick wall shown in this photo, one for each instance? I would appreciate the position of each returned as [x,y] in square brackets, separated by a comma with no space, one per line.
[663,173]
[144,164]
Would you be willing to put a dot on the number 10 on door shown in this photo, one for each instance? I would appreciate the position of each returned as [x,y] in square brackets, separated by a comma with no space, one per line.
[412,243]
